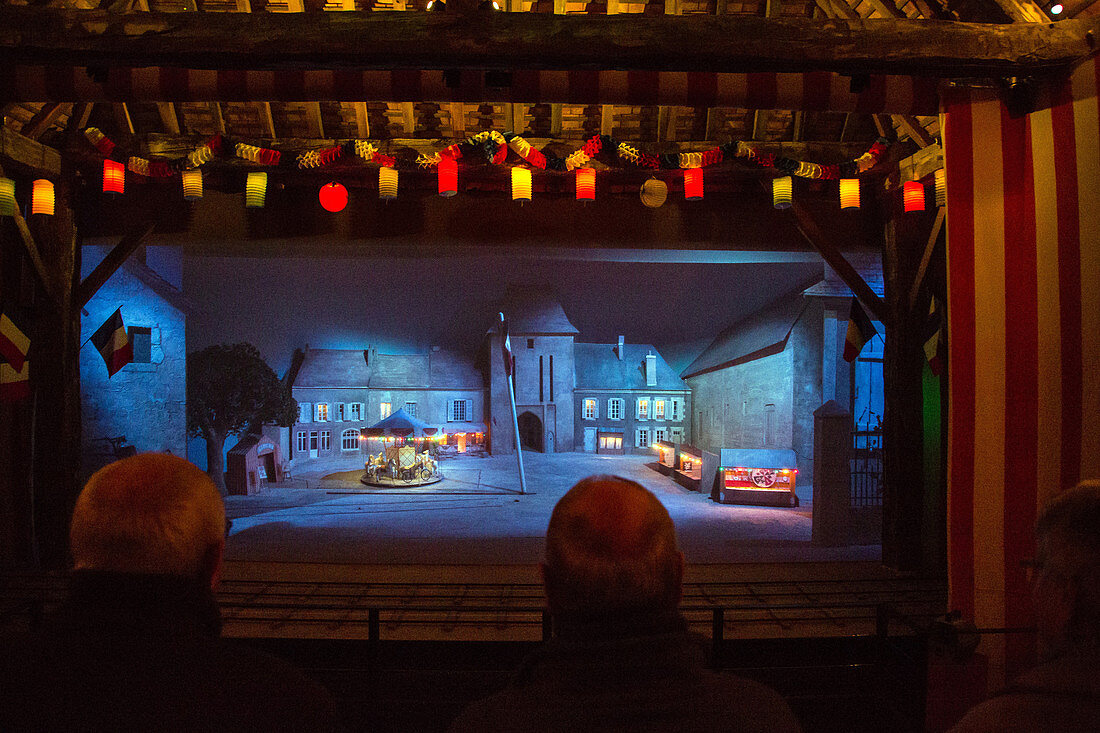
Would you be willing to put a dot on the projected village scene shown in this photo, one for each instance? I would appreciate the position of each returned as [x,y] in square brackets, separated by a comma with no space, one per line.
[367,409]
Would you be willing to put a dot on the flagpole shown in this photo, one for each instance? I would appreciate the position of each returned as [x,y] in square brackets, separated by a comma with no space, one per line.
[506,351]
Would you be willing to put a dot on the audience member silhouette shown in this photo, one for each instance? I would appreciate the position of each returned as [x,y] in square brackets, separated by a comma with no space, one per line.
[621,658]
[135,646]
[1062,694]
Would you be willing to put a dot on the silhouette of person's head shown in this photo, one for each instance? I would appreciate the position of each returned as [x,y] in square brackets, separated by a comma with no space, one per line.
[611,548]
[154,514]
[1065,581]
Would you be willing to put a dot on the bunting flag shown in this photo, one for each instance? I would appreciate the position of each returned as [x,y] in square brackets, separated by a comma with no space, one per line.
[933,337]
[860,331]
[13,343]
[505,346]
[113,344]
[15,386]
[1023,264]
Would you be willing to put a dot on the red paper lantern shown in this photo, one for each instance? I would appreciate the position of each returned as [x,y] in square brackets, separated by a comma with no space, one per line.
[333,197]
[586,184]
[913,196]
[114,176]
[693,184]
[448,177]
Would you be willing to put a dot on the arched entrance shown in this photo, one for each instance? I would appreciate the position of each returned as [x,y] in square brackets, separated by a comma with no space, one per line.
[530,431]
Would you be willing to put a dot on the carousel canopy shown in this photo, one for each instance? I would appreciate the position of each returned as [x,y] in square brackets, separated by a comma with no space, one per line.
[401,424]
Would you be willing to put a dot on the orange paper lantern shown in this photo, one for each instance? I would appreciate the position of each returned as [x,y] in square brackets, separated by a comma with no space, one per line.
[586,184]
[333,197]
[693,184]
[913,196]
[192,184]
[114,177]
[42,197]
[448,177]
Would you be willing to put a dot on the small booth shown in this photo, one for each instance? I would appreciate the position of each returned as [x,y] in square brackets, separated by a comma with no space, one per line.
[688,471]
[609,442]
[404,455]
[252,464]
[666,457]
[757,476]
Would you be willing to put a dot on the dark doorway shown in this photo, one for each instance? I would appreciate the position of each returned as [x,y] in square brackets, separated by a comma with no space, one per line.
[530,431]
[269,467]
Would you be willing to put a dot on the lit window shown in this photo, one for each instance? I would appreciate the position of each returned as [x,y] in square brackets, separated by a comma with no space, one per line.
[322,412]
[658,409]
[302,444]
[326,440]
[387,410]
[643,438]
[611,442]
[349,440]
[615,409]
[643,408]
[410,409]
[356,411]
[589,410]
[459,412]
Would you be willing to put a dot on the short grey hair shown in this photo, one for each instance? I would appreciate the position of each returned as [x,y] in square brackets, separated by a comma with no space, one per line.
[152,513]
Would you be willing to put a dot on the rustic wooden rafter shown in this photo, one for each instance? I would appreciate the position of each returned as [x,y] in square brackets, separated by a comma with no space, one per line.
[109,264]
[539,41]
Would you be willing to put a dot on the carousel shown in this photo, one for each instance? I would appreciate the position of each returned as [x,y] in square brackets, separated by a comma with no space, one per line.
[404,455]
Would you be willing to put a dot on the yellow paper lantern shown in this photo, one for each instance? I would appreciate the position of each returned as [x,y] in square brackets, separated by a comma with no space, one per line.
[941,187]
[192,184]
[255,190]
[521,184]
[653,193]
[42,197]
[849,193]
[782,192]
[7,197]
[387,183]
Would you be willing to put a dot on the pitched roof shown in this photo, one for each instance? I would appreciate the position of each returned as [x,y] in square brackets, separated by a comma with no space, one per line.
[534,311]
[598,366]
[763,333]
[400,370]
[454,370]
[333,368]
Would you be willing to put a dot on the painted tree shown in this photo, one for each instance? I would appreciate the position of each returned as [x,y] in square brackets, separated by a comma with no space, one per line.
[230,388]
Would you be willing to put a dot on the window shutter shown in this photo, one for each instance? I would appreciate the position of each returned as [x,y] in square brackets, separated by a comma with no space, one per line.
[362,410]
[305,411]
[596,409]
[450,410]
[638,409]
[469,410]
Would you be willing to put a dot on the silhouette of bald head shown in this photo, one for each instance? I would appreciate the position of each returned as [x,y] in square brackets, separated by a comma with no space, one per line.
[611,547]
[153,513]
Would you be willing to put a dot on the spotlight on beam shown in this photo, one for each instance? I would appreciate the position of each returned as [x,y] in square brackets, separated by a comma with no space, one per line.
[1055,9]
[488,6]
[436,5]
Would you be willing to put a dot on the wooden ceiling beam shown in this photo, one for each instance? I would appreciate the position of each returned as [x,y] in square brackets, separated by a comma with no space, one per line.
[42,120]
[539,41]
[28,155]
[267,121]
[168,117]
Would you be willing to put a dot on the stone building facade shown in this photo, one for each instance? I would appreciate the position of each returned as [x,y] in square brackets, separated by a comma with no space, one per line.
[146,401]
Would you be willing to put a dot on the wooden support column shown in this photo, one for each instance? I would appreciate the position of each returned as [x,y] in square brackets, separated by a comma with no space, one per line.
[107,267]
[903,368]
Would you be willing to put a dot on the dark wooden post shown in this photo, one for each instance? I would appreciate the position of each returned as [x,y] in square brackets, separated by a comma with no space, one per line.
[903,364]
[56,381]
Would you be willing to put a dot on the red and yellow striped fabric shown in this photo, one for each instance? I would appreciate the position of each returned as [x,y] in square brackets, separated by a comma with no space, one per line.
[1024,337]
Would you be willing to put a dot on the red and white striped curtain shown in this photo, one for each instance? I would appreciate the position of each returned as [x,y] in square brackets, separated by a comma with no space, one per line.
[1023,256]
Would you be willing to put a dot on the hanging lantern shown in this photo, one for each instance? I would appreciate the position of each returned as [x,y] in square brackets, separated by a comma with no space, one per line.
[7,197]
[42,197]
[782,192]
[586,184]
[114,176]
[849,193]
[448,177]
[255,190]
[941,187]
[693,184]
[521,184]
[653,193]
[913,196]
[387,183]
[333,197]
[192,184]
